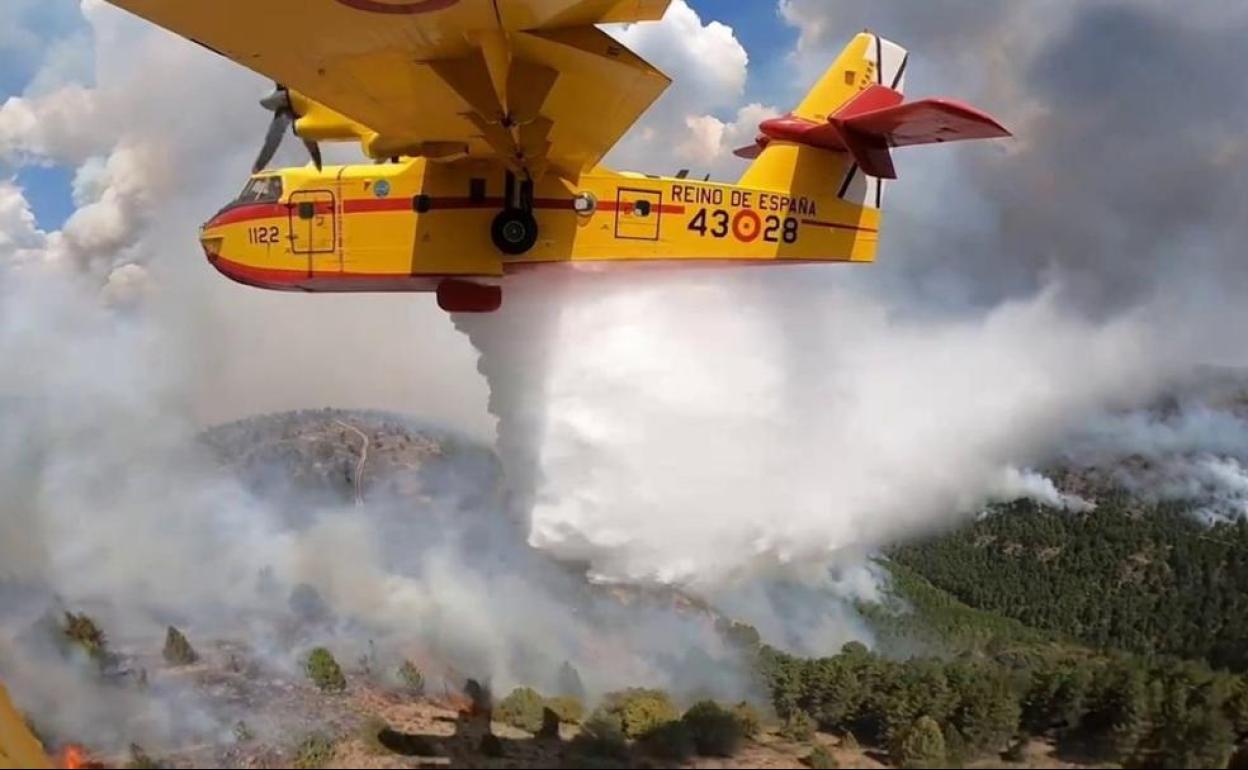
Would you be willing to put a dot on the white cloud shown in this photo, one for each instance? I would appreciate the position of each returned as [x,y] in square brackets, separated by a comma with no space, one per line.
[708,67]
[65,126]
[706,62]
[20,237]
[156,150]
[709,142]
[706,135]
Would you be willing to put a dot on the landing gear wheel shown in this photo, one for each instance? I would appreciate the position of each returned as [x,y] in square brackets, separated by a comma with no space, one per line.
[514,231]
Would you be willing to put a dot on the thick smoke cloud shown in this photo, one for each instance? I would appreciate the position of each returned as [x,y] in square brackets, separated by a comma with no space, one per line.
[1126,177]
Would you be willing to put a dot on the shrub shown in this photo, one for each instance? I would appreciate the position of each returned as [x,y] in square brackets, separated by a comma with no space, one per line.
[178,651]
[820,758]
[747,716]
[324,671]
[82,630]
[640,710]
[601,736]
[411,678]
[716,731]
[672,741]
[799,727]
[921,745]
[242,732]
[314,752]
[569,710]
[522,709]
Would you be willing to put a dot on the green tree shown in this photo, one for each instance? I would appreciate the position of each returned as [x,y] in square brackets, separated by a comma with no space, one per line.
[820,758]
[716,731]
[672,741]
[324,671]
[920,746]
[640,710]
[799,727]
[522,709]
[1236,706]
[986,711]
[178,651]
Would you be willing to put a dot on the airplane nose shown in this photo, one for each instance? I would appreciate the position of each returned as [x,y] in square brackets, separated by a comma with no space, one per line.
[211,245]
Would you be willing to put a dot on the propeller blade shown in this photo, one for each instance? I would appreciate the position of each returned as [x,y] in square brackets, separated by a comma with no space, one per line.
[272,140]
[278,101]
[314,150]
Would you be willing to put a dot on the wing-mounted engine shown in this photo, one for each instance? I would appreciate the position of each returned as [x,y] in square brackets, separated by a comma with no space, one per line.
[313,123]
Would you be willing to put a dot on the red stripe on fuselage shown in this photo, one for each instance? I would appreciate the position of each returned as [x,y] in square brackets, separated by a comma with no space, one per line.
[366,205]
[248,212]
[253,211]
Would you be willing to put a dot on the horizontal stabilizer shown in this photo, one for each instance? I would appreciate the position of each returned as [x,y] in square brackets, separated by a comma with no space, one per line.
[751,151]
[926,121]
[869,134]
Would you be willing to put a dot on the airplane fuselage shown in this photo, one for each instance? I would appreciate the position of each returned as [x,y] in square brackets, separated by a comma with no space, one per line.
[414,224]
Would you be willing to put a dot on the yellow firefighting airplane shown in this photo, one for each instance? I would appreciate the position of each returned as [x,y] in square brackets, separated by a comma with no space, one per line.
[487,121]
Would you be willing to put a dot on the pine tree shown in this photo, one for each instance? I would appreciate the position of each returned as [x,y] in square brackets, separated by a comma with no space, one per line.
[921,746]
[178,651]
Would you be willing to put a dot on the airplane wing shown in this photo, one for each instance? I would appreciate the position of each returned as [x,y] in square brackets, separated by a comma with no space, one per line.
[533,82]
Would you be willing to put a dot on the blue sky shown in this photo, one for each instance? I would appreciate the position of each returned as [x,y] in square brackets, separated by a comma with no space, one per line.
[40,33]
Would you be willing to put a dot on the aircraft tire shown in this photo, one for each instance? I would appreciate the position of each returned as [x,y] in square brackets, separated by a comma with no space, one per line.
[514,231]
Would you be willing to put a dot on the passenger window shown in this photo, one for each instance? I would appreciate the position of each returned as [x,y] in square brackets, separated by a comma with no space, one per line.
[307,210]
[641,208]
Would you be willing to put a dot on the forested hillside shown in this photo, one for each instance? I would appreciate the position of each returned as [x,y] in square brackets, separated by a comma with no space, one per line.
[1146,579]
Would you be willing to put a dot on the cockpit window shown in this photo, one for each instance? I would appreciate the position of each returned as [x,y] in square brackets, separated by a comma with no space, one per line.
[265,189]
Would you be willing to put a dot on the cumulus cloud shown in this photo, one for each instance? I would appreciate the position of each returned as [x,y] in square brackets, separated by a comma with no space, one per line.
[20,236]
[708,68]
[709,141]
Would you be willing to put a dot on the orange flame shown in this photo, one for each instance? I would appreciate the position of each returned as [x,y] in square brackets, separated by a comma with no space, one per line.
[74,757]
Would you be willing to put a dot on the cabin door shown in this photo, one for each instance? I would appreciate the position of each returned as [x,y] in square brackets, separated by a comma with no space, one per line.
[314,230]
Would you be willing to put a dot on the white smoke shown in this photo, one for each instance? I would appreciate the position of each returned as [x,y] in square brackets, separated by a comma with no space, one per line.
[1194,454]
[695,428]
